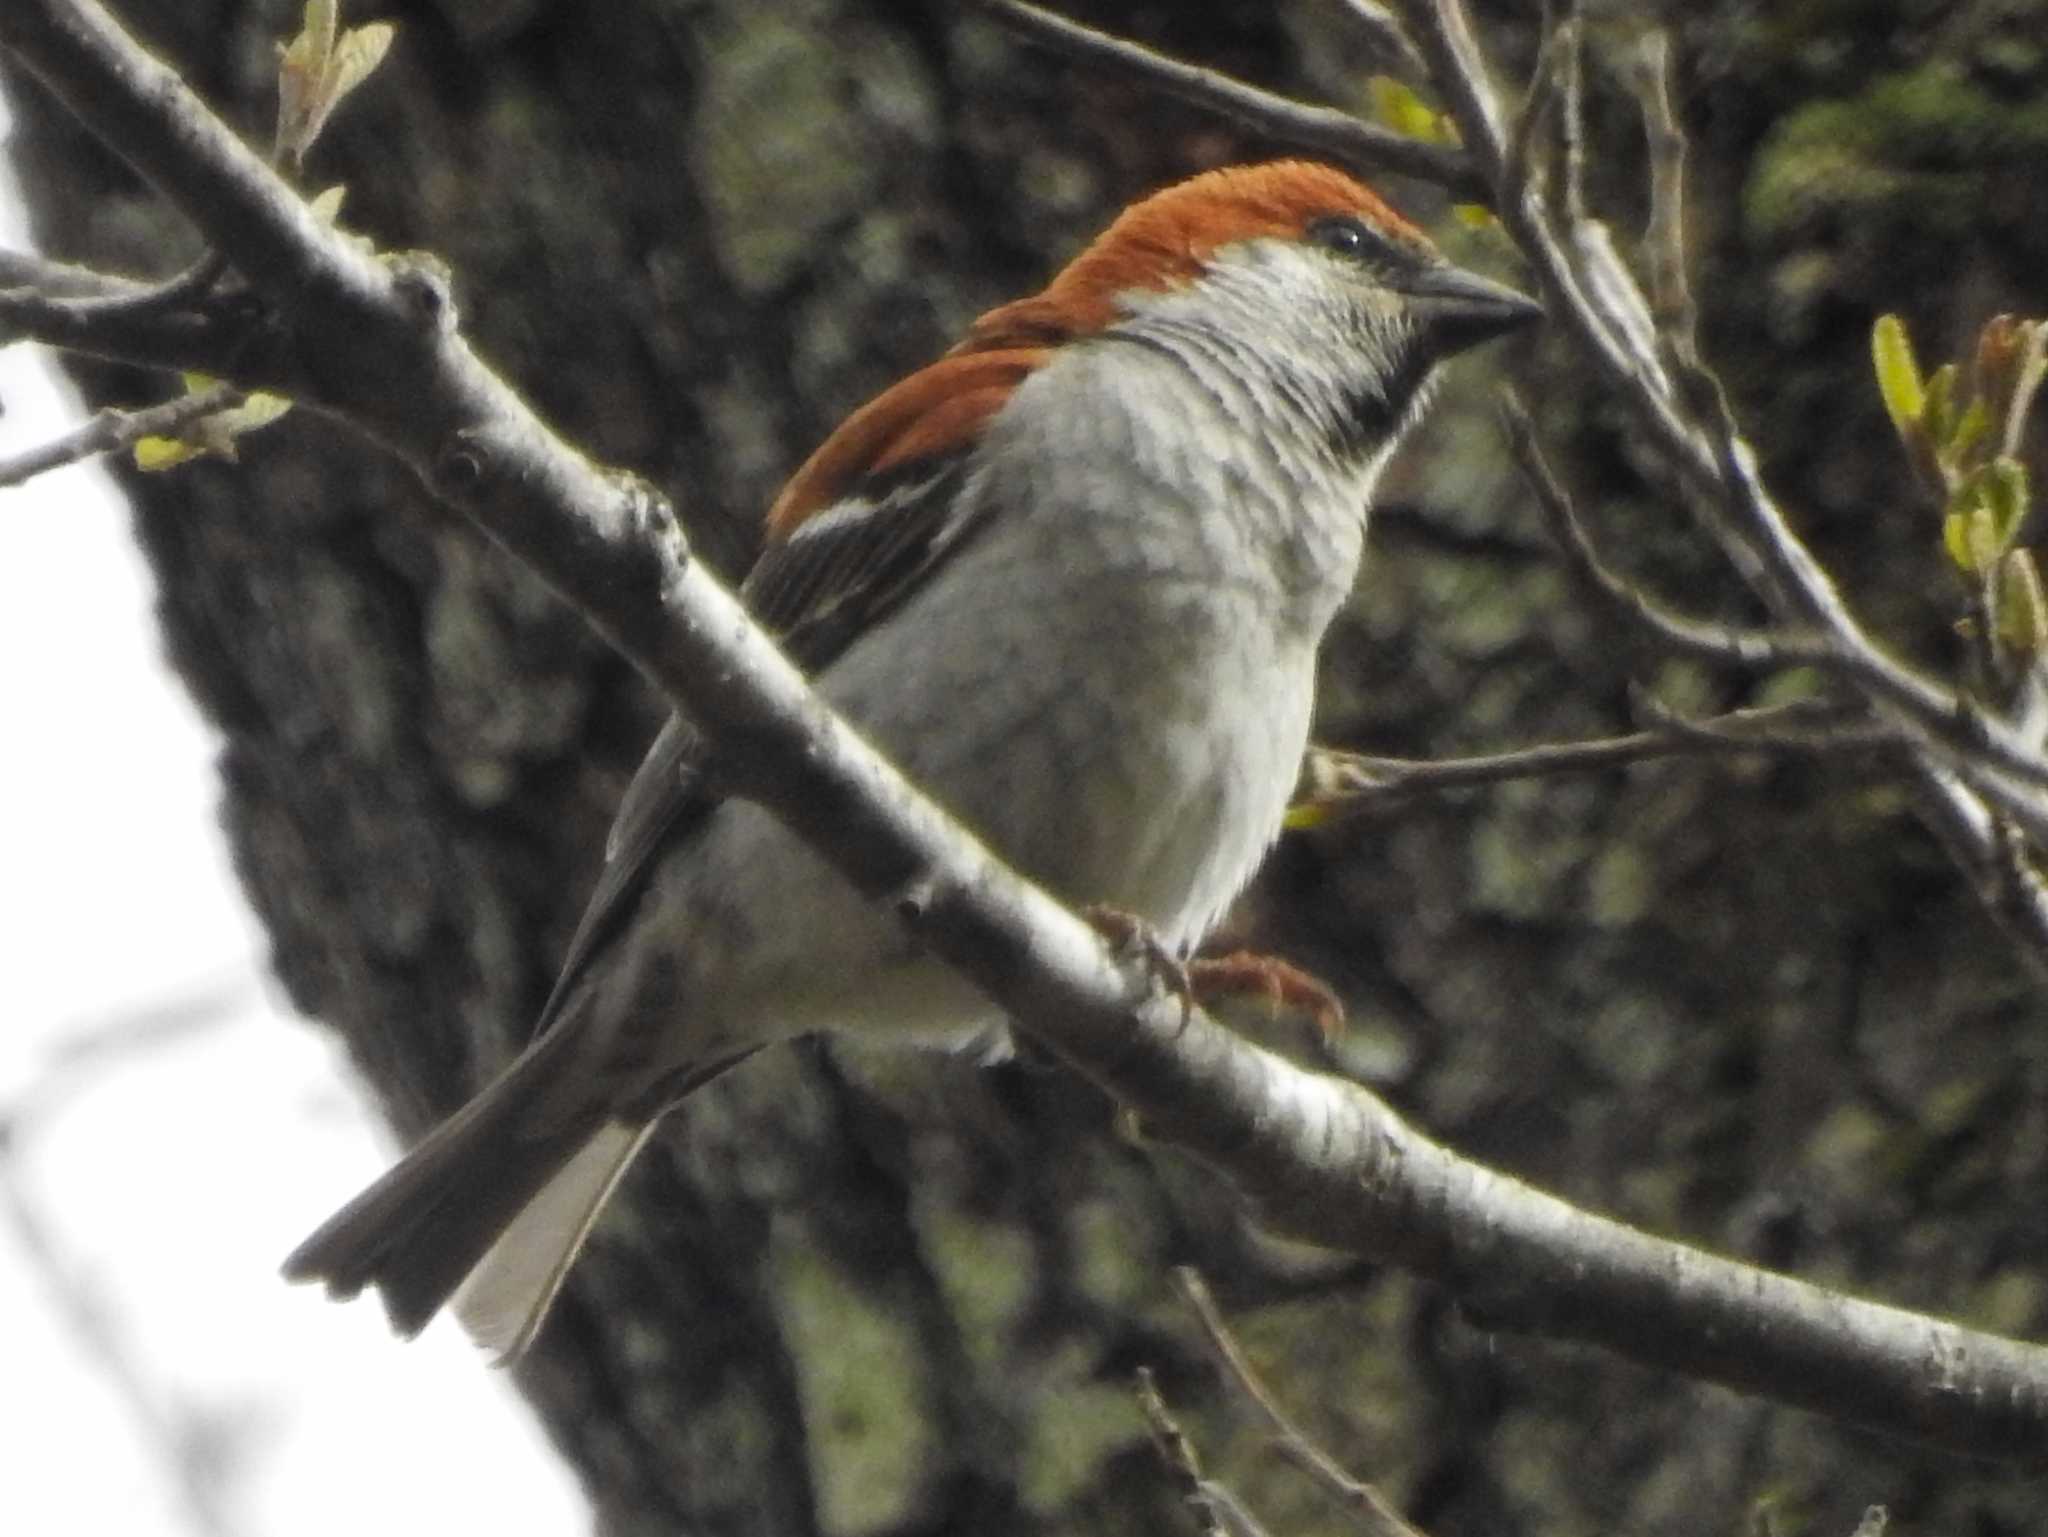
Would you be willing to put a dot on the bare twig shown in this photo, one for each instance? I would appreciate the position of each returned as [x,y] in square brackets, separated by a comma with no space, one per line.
[1541,105]
[1984,751]
[1325,130]
[1376,1513]
[111,430]
[1177,1452]
[60,280]
[1698,637]
[173,293]
[1341,781]
[124,323]
[1979,749]
[1750,528]
[1803,726]
[1649,68]
[1572,122]
[1387,38]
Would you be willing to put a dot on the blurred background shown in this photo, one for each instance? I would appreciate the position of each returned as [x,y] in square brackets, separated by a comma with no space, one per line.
[1740,1001]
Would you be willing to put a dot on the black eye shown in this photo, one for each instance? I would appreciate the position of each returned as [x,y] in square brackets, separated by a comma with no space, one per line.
[1346,236]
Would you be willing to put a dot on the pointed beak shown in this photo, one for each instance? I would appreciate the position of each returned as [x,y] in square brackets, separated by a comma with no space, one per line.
[1461,309]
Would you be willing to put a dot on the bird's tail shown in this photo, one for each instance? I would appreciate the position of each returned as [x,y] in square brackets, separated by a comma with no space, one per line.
[489,1210]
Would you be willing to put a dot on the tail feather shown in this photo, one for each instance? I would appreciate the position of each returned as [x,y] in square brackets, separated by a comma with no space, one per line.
[490,1210]
[506,1295]
[418,1232]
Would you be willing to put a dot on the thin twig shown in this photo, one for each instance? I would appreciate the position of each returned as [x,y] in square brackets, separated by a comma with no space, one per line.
[1980,747]
[1376,1513]
[1342,781]
[111,430]
[1325,130]
[1539,110]
[1572,125]
[25,270]
[1387,39]
[1697,637]
[1649,71]
[1177,1452]
[1750,528]
[173,293]
[1981,750]
[120,324]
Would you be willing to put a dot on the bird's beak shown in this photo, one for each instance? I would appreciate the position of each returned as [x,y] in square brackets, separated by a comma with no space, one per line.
[1460,309]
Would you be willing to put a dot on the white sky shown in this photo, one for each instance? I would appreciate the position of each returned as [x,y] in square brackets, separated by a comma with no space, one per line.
[169,1132]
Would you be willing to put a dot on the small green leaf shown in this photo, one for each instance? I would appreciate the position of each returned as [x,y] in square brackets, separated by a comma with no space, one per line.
[218,434]
[2019,608]
[153,455]
[1980,531]
[1398,106]
[1303,815]
[316,70]
[1938,416]
[1970,430]
[1955,538]
[300,64]
[327,206]
[1985,512]
[322,18]
[2005,498]
[1970,532]
[1789,687]
[360,51]
[1898,374]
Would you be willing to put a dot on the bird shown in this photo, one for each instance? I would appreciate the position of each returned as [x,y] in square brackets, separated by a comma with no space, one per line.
[1071,577]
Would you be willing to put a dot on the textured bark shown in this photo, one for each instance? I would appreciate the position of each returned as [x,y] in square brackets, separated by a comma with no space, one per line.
[882,1292]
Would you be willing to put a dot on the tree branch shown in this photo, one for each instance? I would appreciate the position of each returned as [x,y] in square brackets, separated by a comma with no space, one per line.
[119,323]
[111,430]
[1216,1512]
[60,280]
[1326,1161]
[1341,782]
[1688,419]
[1375,1512]
[1325,130]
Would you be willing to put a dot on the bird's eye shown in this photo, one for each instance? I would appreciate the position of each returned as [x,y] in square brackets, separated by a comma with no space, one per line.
[1346,236]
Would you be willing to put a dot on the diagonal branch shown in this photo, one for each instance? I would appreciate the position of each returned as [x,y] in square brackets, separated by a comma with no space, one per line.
[1325,130]
[1376,1513]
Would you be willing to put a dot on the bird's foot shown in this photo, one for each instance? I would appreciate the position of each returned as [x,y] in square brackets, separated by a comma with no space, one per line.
[1132,935]
[1281,983]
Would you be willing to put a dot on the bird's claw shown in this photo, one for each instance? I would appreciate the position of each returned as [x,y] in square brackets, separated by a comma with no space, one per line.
[1280,983]
[1133,935]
